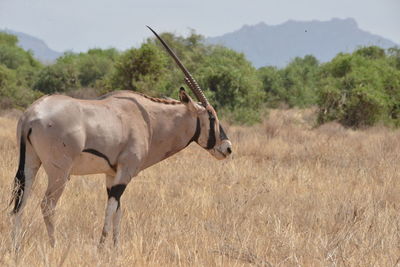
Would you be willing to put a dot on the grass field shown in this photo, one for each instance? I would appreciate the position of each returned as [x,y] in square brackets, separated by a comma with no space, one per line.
[292,195]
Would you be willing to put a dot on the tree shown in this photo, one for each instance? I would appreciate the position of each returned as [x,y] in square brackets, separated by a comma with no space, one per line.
[95,65]
[18,70]
[371,52]
[140,69]
[13,56]
[272,85]
[231,82]
[299,80]
[8,39]
[191,51]
[60,77]
[360,89]
[394,57]
[91,66]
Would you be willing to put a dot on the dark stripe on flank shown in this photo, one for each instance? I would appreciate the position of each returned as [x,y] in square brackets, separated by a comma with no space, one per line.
[101,155]
[19,182]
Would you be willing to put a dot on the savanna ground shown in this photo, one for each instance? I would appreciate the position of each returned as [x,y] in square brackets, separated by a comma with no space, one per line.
[291,195]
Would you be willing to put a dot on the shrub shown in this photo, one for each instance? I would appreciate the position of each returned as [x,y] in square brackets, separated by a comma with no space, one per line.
[294,85]
[231,83]
[359,89]
[60,77]
[138,69]
[12,93]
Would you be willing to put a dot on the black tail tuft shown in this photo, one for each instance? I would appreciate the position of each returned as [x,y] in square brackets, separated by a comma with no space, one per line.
[19,182]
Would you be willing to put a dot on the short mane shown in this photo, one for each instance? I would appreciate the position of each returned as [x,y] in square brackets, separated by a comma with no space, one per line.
[154,99]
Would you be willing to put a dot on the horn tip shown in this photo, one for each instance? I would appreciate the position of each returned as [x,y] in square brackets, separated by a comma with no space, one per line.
[151,29]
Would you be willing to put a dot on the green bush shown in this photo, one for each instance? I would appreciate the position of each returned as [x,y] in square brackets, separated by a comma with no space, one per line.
[13,56]
[91,67]
[272,85]
[231,83]
[294,85]
[8,39]
[11,93]
[360,89]
[394,57]
[140,69]
[7,81]
[57,78]
[18,70]
[371,52]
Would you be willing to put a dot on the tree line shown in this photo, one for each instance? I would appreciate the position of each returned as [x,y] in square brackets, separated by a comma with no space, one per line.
[356,89]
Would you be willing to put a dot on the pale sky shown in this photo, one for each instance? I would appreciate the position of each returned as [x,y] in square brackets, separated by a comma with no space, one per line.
[82,24]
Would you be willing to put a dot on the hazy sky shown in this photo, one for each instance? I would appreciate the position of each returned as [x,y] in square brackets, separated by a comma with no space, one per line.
[81,24]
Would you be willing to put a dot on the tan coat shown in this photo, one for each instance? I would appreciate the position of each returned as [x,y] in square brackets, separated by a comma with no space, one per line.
[119,134]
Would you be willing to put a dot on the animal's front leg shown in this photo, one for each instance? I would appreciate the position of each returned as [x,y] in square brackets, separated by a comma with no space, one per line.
[115,187]
[116,225]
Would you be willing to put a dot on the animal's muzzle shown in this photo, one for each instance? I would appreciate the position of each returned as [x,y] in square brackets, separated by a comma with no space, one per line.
[226,147]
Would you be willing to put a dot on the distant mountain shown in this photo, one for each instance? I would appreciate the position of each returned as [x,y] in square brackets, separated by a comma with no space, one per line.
[39,48]
[276,45]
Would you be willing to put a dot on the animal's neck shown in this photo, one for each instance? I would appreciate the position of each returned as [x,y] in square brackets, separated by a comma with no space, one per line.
[173,129]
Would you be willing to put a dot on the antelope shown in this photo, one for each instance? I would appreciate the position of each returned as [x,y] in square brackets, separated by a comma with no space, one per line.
[118,134]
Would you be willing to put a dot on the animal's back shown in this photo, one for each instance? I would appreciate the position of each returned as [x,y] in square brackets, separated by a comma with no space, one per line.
[62,130]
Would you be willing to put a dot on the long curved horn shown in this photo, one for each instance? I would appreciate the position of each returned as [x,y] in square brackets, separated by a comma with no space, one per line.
[189,80]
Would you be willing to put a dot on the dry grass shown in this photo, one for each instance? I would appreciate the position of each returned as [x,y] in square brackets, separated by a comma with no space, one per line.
[292,195]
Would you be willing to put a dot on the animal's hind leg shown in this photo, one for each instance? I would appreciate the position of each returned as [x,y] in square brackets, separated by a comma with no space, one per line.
[29,169]
[57,179]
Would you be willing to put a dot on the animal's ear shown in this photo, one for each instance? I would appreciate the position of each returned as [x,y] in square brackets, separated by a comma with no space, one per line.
[187,100]
[183,96]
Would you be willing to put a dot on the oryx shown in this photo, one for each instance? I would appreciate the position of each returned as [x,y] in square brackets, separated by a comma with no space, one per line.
[118,134]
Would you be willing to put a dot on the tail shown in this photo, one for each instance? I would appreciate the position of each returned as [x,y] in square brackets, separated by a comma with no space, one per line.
[19,181]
